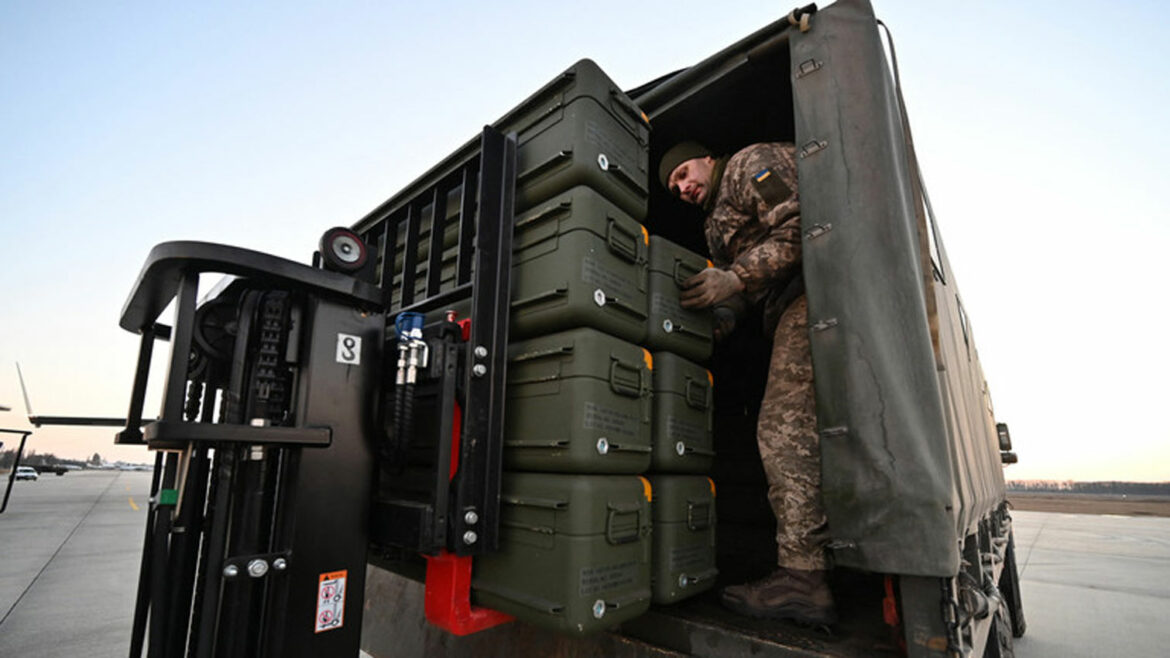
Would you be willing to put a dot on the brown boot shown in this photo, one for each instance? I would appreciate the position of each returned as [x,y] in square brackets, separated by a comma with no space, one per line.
[802,596]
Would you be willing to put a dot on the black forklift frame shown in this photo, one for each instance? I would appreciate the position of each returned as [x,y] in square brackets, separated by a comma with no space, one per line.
[180,618]
[483,266]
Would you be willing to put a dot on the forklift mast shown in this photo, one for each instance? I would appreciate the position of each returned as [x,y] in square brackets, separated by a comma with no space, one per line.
[289,423]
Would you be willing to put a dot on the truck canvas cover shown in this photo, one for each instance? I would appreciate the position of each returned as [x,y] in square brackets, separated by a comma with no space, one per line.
[897,481]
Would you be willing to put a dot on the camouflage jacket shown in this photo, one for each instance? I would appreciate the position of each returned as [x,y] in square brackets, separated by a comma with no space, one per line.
[754,227]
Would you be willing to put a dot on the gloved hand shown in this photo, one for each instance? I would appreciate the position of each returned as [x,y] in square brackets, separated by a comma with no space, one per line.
[727,316]
[710,287]
[724,322]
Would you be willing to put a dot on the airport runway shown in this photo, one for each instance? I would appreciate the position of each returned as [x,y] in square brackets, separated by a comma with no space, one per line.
[1093,586]
[71,547]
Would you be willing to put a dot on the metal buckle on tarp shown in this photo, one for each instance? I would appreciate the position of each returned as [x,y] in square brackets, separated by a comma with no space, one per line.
[801,17]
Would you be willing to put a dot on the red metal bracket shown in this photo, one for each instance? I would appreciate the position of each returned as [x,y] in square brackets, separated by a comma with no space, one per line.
[448,597]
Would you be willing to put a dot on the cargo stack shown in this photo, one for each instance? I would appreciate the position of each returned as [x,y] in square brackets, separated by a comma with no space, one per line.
[575,514]
[588,409]
[682,448]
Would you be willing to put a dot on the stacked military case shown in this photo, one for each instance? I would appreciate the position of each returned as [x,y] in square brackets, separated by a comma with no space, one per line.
[575,551]
[575,519]
[683,449]
[575,533]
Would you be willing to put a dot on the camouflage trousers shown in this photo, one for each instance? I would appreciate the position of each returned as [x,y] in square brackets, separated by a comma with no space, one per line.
[790,447]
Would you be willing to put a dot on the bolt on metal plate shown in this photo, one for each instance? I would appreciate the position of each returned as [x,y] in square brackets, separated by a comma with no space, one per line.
[257,568]
[598,609]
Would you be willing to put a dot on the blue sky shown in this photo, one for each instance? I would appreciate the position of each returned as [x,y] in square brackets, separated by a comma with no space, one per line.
[1040,128]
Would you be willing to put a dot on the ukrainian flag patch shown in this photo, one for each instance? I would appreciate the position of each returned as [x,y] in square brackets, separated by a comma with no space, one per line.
[771,188]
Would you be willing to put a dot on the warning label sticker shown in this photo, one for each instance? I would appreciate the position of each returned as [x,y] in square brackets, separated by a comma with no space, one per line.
[330,601]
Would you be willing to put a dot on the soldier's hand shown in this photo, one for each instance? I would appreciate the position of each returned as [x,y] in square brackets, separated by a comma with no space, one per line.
[710,287]
[724,322]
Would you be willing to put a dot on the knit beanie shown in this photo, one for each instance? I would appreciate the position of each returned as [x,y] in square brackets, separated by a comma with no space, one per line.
[678,154]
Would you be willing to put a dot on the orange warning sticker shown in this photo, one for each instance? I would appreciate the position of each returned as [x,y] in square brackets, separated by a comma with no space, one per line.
[330,601]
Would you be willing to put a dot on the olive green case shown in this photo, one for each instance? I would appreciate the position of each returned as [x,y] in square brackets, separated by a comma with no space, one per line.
[577,401]
[684,536]
[574,551]
[578,260]
[580,129]
[683,398]
[671,327]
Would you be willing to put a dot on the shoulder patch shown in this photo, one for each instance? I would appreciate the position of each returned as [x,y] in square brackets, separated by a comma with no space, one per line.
[770,187]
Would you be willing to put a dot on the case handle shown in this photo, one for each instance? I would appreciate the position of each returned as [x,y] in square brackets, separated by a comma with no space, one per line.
[697,394]
[626,104]
[693,520]
[683,271]
[626,534]
[622,384]
[622,241]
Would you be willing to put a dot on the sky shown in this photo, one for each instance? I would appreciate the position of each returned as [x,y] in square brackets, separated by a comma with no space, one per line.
[1040,128]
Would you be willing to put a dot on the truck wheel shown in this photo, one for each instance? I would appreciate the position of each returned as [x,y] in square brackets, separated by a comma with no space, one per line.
[1009,587]
[999,638]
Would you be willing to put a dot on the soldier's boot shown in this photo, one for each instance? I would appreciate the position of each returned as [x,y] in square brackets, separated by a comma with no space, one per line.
[801,596]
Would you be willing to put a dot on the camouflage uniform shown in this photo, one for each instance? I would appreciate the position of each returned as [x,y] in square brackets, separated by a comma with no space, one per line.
[753,229]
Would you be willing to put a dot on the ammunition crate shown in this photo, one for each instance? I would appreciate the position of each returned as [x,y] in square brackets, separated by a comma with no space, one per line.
[580,129]
[684,536]
[683,403]
[671,327]
[574,551]
[577,261]
[577,401]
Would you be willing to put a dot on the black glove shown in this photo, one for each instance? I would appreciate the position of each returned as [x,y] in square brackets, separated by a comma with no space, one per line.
[727,316]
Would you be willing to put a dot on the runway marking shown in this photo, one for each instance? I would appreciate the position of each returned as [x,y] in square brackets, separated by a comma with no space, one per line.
[132,503]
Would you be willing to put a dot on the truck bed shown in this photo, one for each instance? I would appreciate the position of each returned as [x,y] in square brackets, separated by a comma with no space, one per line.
[697,627]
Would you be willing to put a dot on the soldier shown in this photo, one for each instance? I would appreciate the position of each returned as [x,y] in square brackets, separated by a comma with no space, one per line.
[753,234]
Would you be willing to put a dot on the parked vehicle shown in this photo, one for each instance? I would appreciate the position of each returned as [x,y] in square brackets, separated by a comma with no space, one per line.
[26,473]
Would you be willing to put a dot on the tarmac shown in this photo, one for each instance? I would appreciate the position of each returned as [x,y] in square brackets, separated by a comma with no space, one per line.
[1093,585]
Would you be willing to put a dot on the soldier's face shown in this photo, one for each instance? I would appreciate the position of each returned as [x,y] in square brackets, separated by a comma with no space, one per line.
[691,180]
